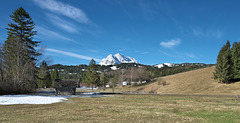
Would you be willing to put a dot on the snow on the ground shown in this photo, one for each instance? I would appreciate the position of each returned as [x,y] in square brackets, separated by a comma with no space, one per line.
[29,99]
[114,68]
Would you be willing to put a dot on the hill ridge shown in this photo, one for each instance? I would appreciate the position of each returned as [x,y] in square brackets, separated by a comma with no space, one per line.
[198,81]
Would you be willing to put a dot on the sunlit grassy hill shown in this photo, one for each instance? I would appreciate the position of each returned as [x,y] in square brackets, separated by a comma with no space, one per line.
[193,82]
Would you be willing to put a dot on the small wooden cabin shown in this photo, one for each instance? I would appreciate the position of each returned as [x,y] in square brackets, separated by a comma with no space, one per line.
[65,86]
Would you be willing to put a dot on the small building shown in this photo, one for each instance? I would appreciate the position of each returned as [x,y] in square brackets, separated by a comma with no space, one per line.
[65,86]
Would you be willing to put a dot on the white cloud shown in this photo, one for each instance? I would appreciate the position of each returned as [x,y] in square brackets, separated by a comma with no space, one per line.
[50,33]
[64,9]
[171,43]
[72,54]
[62,23]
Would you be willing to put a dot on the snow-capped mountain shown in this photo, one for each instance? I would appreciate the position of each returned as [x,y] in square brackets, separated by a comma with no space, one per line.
[164,64]
[117,59]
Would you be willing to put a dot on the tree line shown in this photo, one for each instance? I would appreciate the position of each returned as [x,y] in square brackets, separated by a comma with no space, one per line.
[228,63]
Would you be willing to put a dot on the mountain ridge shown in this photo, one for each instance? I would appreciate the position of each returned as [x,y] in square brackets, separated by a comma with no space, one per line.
[117,59]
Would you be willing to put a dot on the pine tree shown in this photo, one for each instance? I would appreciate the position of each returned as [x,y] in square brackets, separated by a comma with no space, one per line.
[44,76]
[224,70]
[236,59]
[103,80]
[19,53]
[80,80]
[54,75]
[114,81]
[92,77]
[48,80]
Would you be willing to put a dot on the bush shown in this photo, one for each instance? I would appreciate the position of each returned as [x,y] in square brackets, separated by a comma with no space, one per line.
[161,81]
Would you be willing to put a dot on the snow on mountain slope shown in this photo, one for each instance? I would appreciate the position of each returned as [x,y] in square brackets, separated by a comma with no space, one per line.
[117,59]
[114,68]
[164,64]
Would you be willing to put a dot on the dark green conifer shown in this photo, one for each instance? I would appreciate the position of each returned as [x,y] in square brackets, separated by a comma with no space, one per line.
[44,76]
[92,77]
[54,75]
[236,60]
[224,69]
[103,80]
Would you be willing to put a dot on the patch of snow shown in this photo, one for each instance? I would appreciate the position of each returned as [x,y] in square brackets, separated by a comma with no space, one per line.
[29,99]
[159,65]
[168,64]
[164,64]
[114,68]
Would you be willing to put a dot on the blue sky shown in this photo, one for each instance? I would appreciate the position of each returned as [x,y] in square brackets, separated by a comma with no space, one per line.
[151,31]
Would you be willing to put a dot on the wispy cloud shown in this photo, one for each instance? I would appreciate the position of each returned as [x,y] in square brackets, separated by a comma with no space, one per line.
[64,9]
[209,33]
[144,53]
[167,54]
[121,50]
[59,22]
[72,54]
[94,51]
[171,43]
[147,10]
[191,55]
[50,33]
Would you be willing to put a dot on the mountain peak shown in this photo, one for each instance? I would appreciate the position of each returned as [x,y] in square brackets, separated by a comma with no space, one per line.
[118,54]
[117,59]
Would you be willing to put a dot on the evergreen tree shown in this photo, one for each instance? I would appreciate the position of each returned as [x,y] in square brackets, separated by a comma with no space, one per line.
[80,80]
[236,59]
[224,70]
[48,80]
[54,75]
[44,76]
[19,53]
[103,80]
[92,77]
[114,81]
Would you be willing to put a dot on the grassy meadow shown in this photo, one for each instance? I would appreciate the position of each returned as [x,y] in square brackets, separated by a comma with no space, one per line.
[129,108]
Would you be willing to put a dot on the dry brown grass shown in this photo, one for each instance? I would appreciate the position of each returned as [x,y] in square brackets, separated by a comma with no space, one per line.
[143,108]
[129,108]
[193,82]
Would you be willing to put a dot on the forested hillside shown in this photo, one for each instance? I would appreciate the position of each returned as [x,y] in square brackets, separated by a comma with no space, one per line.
[74,72]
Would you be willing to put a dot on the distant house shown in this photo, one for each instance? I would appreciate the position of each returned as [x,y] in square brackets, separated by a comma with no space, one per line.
[65,87]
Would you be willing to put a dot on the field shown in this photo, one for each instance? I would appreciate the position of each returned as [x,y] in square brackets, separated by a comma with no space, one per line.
[129,108]
[187,97]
